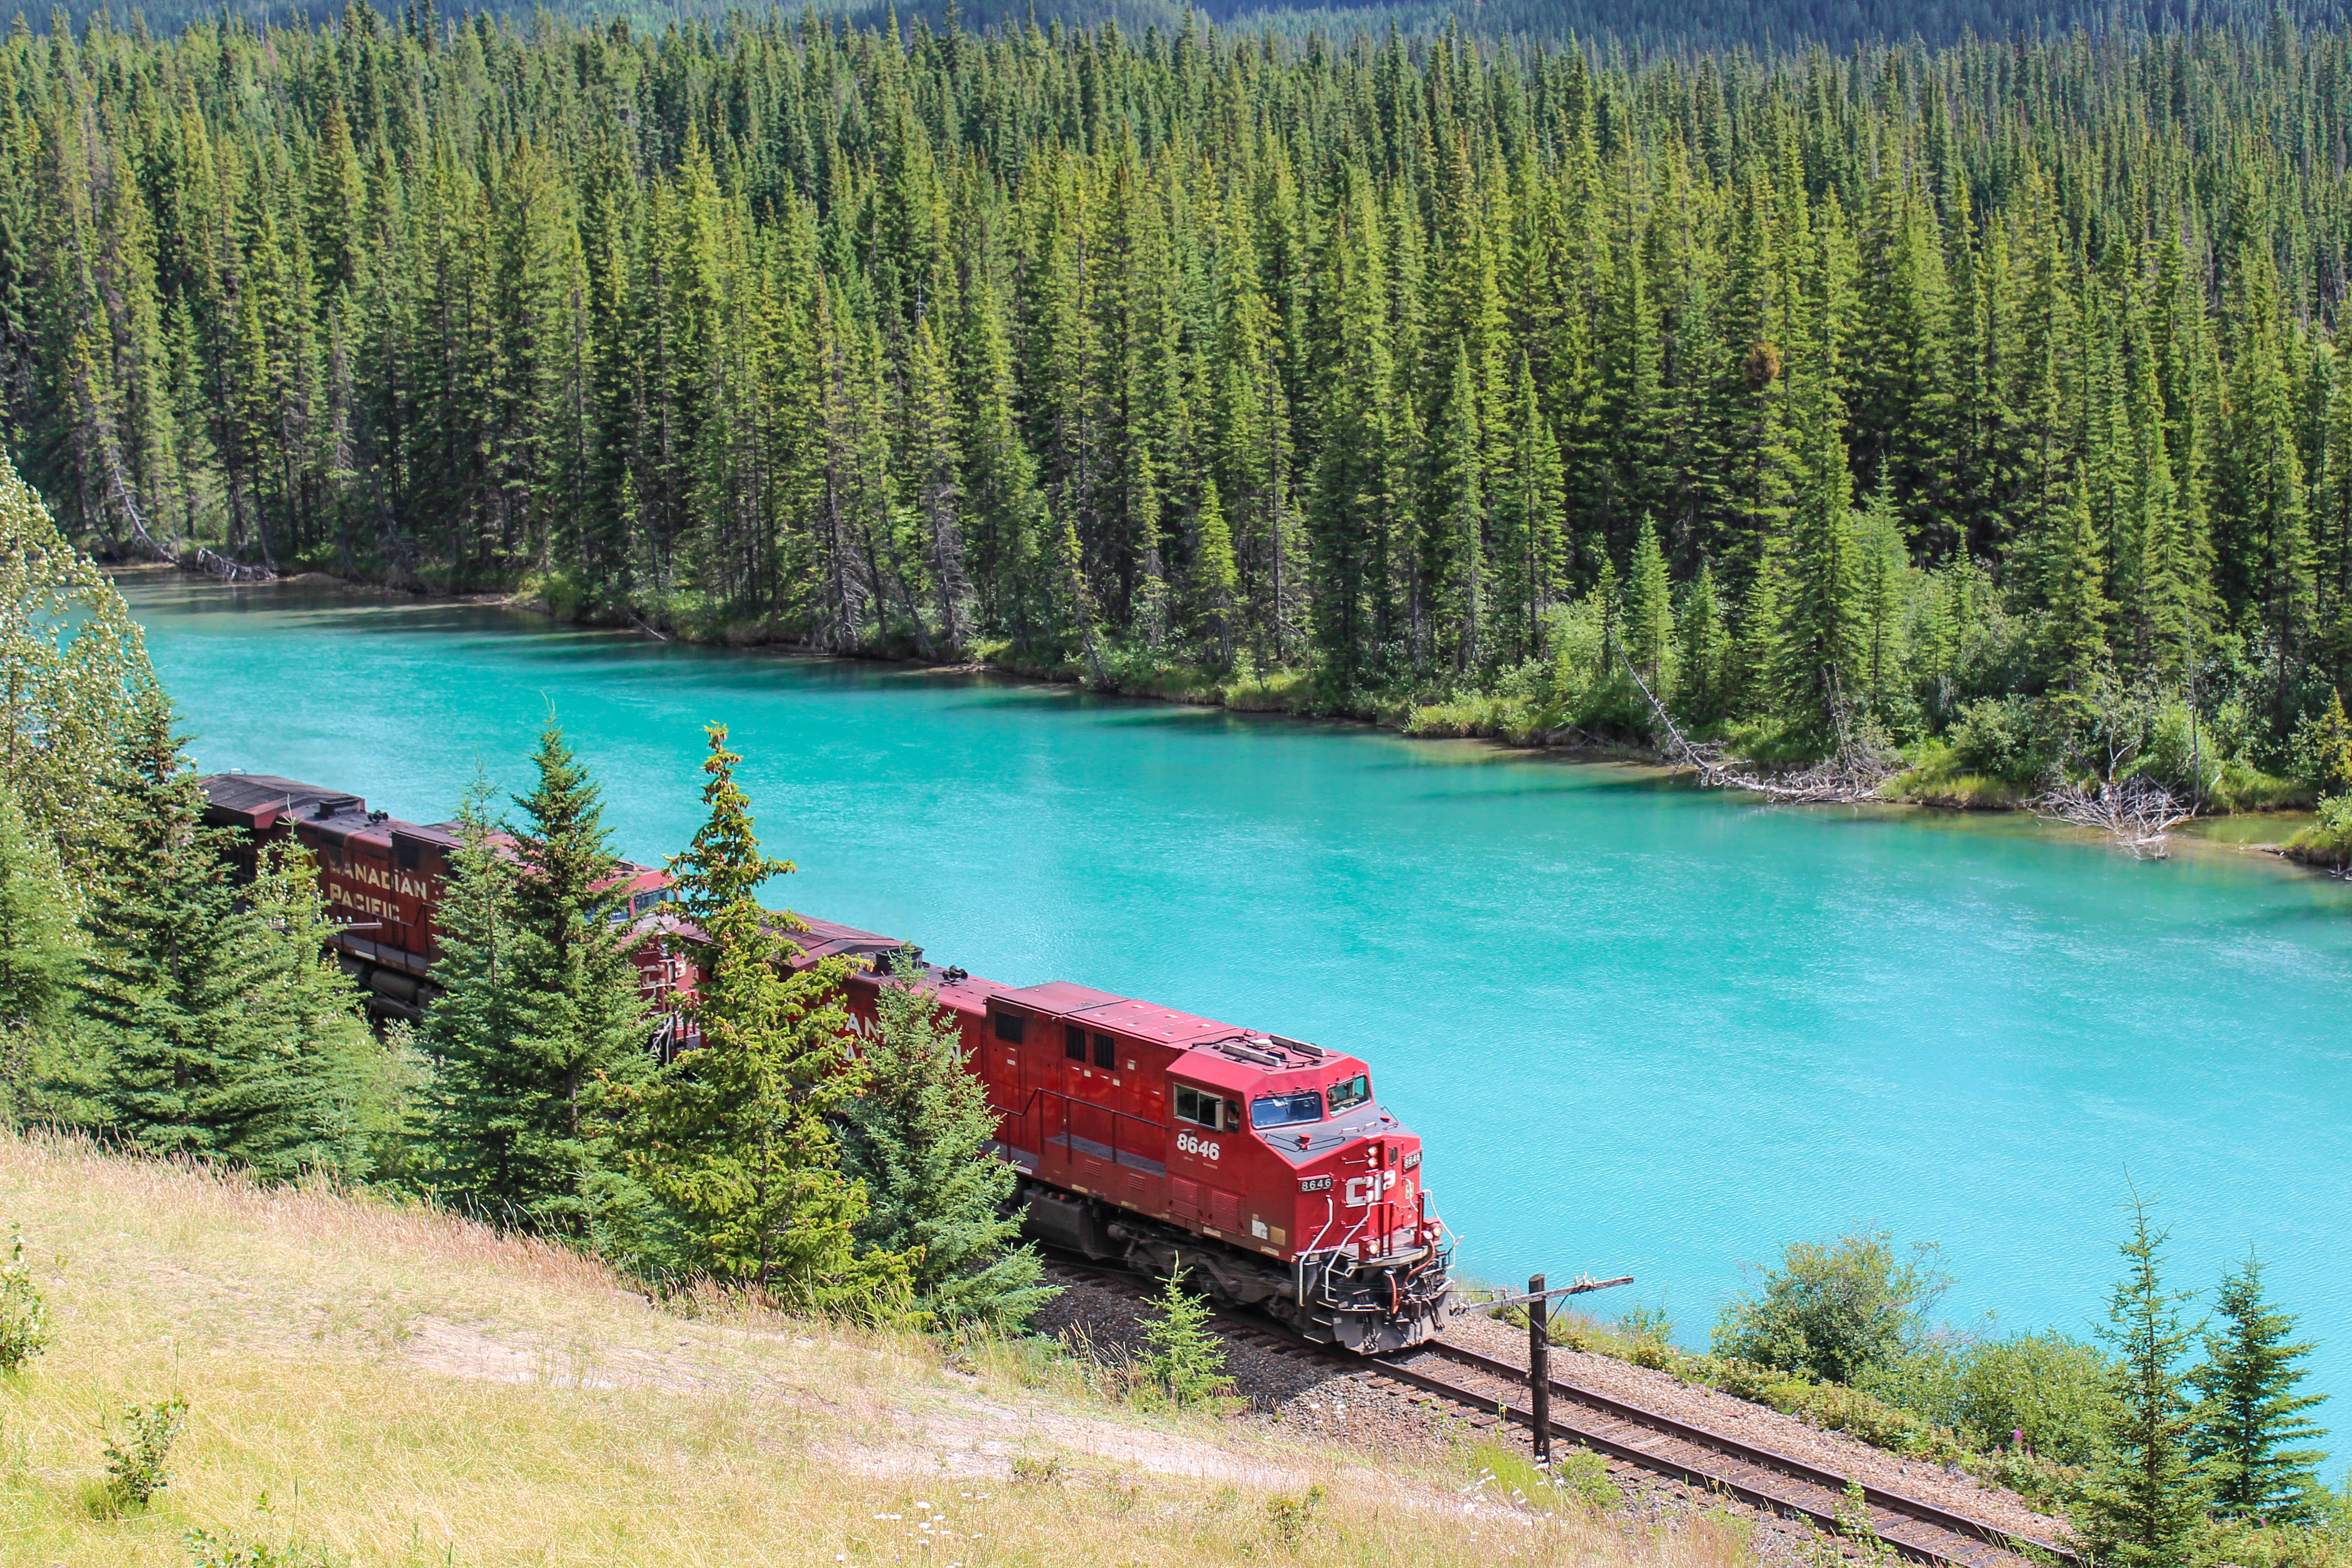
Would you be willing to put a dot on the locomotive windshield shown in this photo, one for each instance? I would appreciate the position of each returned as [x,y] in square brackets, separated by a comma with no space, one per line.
[1350,1092]
[1283,1110]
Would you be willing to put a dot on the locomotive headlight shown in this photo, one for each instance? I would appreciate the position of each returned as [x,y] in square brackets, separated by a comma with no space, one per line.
[1412,1160]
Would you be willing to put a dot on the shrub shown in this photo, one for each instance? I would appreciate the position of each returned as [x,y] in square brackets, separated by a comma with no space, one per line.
[1187,1363]
[230,1550]
[135,1457]
[1834,1313]
[2057,1392]
[2322,749]
[2183,754]
[2328,840]
[23,1316]
[1288,1517]
[2001,737]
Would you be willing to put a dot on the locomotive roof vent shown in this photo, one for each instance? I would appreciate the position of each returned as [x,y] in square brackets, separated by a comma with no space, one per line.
[1311,1053]
[1241,1052]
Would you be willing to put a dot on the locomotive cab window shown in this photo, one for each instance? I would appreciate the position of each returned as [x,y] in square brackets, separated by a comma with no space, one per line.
[1008,1027]
[1073,1042]
[1350,1092]
[1287,1110]
[1199,1107]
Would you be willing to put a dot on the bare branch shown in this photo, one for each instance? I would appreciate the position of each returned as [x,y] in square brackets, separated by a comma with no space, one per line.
[2138,813]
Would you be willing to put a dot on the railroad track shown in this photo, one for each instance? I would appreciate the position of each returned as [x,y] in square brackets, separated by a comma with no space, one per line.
[1779,1483]
[1495,1391]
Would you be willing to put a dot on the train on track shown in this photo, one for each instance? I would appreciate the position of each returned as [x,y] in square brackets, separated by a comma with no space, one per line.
[1266,1166]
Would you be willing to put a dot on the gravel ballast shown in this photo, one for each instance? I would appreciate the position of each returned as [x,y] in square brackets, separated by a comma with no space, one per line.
[1296,1389]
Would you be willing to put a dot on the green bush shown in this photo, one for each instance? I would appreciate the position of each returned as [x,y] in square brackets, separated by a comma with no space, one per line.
[136,1457]
[2183,754]
[2056,1391]
[2328,840]
[1834,1312]
[23,1316]
[2002,737]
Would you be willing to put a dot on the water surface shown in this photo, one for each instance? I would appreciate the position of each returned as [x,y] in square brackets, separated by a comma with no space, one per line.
[1644,1030]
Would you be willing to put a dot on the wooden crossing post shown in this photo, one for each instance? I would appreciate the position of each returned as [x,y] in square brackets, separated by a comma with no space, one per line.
[1540,1366]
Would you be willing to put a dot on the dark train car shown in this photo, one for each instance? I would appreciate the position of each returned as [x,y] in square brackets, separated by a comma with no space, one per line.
[1147,1136]
[382,879]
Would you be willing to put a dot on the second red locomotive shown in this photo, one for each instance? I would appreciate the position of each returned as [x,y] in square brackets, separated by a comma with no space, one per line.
[1266,1166]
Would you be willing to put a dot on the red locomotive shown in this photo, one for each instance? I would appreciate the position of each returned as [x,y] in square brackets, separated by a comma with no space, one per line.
[1142,1135]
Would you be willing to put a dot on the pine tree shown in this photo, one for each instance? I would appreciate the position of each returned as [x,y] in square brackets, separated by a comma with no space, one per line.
[1700,650]
[735,1136]
[2147,1494]
[2249,1412]
[1649,621]
[474,1125]
[1816,646]
[918,1137]
[2074,568]
[1458,508]
[1187,1360]
[174,991]
[551,1018]
[1882,587]
[1215,582]
[74,674]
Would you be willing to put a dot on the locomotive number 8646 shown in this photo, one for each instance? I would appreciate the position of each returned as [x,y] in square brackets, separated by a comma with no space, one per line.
[1268,1167]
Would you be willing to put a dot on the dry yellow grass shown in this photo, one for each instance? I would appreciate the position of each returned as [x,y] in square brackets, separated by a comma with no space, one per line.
[380,1385]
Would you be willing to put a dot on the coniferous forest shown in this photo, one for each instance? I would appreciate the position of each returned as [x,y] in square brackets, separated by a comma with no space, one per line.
[1976,403]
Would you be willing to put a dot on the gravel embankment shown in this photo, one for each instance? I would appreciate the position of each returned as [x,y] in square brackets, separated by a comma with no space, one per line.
[1766,1428]
[1337,1404]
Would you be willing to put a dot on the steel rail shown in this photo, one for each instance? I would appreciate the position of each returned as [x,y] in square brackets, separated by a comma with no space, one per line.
[1755,1490]
[1798,1475]
[1763,1459]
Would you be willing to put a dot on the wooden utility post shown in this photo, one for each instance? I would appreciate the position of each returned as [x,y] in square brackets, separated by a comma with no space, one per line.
[1540,1365]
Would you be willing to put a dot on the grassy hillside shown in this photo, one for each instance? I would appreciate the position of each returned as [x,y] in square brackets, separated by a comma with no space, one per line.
[370,1385]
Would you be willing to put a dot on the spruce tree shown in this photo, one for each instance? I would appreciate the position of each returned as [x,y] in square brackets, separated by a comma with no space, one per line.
[2249,1412]
[550,1016]
[2148,1492]
[1817,640]
[918,1136]
[735,1136]
[473,1126]
[1649,621]
[189,1059]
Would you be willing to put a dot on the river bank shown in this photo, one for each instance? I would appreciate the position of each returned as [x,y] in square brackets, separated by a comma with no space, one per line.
[1697,1032]
[1932,784]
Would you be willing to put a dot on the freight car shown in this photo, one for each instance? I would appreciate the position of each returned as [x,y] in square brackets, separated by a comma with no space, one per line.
[382,879]
[1144,1136]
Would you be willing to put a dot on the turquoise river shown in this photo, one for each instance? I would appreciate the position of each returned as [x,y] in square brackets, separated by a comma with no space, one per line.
[1644,1030]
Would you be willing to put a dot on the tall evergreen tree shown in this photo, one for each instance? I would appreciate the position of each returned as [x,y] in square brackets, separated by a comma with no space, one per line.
[192,1055]
[2251,1417]
[918,1137]
[2149,1493]
[735,1136]
[550,1017]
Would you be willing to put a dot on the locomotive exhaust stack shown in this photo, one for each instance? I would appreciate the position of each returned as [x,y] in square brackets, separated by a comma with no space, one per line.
[1266,1166]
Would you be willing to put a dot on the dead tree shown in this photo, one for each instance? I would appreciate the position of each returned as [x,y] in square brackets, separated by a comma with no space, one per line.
[2138,813]
[1853,776]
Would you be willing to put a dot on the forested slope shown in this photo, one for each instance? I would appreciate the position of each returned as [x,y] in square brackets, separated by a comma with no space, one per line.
[1835,393]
